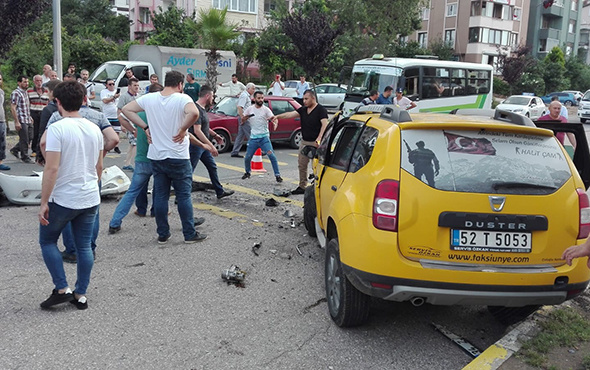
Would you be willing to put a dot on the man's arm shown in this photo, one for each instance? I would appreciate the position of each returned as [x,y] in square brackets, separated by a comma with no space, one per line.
[99,164]
[324,122]
[202,138]
[130,111]
[125,123]
[292,114]
[412,105]
[13,111]
[48,183]
[111,139]
[191,115]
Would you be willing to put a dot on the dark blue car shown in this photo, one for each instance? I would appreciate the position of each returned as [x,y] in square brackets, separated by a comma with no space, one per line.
[566,99]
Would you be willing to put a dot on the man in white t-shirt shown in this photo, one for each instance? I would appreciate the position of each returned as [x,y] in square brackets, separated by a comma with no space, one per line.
[401,101]
[277,86]
[70,192]
[259,115]
[244,101]
[170,114]
[110,99]
[235,86]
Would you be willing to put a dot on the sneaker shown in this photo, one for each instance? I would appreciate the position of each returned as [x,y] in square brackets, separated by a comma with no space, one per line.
[4,167]
[199,221]
[27,160]
[299,190]
[68,257]
[114,230]
[117,150]
[80,303]
[246,176]
[237,156]
[141,215]
[128,168]
[279,179]
[197,238]
[163,239]
[57,298]
[14,152]
[226,193]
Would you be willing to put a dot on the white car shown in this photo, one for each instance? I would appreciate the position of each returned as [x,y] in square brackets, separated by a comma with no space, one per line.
[577,94]
[331,96]
[526,105]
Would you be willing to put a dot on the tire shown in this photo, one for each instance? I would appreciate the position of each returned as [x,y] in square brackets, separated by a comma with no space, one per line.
[296,139]
[568,103]
[347,305]
[511,315]
[223,146]
[309,210]
[583,120]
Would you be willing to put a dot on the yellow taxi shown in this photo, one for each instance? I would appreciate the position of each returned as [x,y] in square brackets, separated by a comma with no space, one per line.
[447,210]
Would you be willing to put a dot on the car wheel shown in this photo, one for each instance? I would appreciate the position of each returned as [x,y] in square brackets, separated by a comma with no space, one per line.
[222,146]
[347,305]
[296,139]
[511,315]
[568,103]
[583,120]
[309,210]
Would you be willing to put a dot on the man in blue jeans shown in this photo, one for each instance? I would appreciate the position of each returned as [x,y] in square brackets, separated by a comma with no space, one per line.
[196,152]
[170,114]
[70,192]
[259,115]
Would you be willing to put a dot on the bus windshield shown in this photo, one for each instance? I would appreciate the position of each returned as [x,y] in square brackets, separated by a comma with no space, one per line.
[367,78]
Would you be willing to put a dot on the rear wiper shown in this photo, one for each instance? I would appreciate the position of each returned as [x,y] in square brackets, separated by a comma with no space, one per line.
[220,112]
[520,185]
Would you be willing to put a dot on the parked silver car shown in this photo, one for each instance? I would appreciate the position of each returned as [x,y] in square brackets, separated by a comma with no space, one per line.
[526,105]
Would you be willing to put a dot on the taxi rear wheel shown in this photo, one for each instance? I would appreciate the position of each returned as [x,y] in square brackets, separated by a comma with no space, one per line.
[346,304]
[309,211]
[511,315]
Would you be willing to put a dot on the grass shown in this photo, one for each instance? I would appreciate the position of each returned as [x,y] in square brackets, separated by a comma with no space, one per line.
[563,328]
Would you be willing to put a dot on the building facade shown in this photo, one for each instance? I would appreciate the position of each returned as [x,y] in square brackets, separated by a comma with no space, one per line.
[584,42]
[478,30]
[558,25]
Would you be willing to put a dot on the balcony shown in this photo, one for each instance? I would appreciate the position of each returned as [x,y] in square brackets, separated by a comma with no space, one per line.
[553,11]
[549,33]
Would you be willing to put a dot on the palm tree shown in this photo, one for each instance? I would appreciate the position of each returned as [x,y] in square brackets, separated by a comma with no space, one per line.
[215,34]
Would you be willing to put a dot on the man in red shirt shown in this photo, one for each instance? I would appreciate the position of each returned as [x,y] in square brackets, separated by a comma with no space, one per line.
[39,100]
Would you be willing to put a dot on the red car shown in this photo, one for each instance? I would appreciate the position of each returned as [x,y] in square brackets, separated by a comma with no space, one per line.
[223,118]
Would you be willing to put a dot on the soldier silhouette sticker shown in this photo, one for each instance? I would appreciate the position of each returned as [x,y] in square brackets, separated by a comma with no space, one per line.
[424,161]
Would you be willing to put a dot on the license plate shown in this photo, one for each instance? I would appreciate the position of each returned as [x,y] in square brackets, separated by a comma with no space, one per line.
[490,241]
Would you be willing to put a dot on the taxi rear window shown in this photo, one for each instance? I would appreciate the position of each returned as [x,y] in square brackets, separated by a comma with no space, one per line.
[485,161]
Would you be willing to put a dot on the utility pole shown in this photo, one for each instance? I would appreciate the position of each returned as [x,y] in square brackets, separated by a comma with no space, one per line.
[57,61]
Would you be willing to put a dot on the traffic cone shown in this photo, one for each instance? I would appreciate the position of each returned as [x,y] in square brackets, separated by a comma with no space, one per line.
[256,163]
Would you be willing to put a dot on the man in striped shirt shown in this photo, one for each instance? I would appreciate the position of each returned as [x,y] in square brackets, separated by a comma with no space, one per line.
[23,123]
[39,100]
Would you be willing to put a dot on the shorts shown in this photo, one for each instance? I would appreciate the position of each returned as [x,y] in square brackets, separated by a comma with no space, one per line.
[115,124]
[132,139]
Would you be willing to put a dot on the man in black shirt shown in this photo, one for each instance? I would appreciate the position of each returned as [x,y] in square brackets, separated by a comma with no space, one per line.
[314,119]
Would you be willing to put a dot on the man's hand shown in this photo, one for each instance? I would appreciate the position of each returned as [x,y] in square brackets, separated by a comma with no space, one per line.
[436,173]
[212,149]
[44,214]
[17,125]
[575,252]
[178,138]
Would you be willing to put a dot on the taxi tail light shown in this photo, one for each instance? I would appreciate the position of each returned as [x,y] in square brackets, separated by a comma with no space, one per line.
[385,205]
[584,228]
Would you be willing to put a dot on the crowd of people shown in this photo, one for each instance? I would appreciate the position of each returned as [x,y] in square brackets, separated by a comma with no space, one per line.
[168,132]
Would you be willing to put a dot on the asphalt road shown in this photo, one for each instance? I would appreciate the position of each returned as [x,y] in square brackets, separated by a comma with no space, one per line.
[166,307]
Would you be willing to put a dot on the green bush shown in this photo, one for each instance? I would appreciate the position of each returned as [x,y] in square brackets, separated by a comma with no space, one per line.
[501,87]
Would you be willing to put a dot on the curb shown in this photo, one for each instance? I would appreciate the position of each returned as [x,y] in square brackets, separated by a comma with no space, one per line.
[498,353]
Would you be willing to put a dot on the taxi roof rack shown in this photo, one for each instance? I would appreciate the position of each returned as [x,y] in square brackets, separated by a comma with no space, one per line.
[498,115]
[388,111]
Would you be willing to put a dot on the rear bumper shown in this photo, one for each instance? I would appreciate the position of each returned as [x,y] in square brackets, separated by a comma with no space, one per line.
[440,293]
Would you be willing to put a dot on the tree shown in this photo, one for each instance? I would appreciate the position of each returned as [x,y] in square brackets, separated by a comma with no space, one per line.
[173,28]
[513,65]
[441,49]
[215,33]
[313,36]
[554,70]
[577,72]
[16,15]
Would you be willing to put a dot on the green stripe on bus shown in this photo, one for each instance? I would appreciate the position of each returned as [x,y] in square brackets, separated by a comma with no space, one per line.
[479,102]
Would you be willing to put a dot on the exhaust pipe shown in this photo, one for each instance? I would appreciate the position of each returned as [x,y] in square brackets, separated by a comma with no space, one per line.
[417,301]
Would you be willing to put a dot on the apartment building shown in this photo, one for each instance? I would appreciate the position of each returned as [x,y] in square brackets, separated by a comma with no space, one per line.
[120,7]
[478,30]
[584,42]
[557,25]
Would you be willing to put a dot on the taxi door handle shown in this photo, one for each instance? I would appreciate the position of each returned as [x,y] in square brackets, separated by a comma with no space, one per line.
[333,187]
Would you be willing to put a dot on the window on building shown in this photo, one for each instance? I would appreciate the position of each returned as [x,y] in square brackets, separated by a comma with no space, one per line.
[475,8]
[247,6]
[568,50]
[574,6]
[545,23]
[517,14]
[403,40]
[269,5]
[572,26]
[474,34]
[451,10]
[543,45]
[450,38]
[497,10]
[487,9]
[425,14]
[423,39]
[144,15]
[506,12]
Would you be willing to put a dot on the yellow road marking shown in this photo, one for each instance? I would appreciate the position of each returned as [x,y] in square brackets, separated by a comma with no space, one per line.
[241,170]
[255,193]
[294,154]
[225,213]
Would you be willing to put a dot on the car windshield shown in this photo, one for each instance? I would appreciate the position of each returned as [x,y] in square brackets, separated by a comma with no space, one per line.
[586,96]
[227,106]
[485,161]
[106,70]
[517,100]
[367,78]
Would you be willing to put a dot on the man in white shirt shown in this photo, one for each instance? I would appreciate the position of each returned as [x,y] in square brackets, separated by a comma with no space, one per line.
[110,98]
[235,86]
[84,74]
[301,87]
[46,73]
[277,86]
[170,114]
[244,101]
[401,101]
[70,192]
[259,116]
